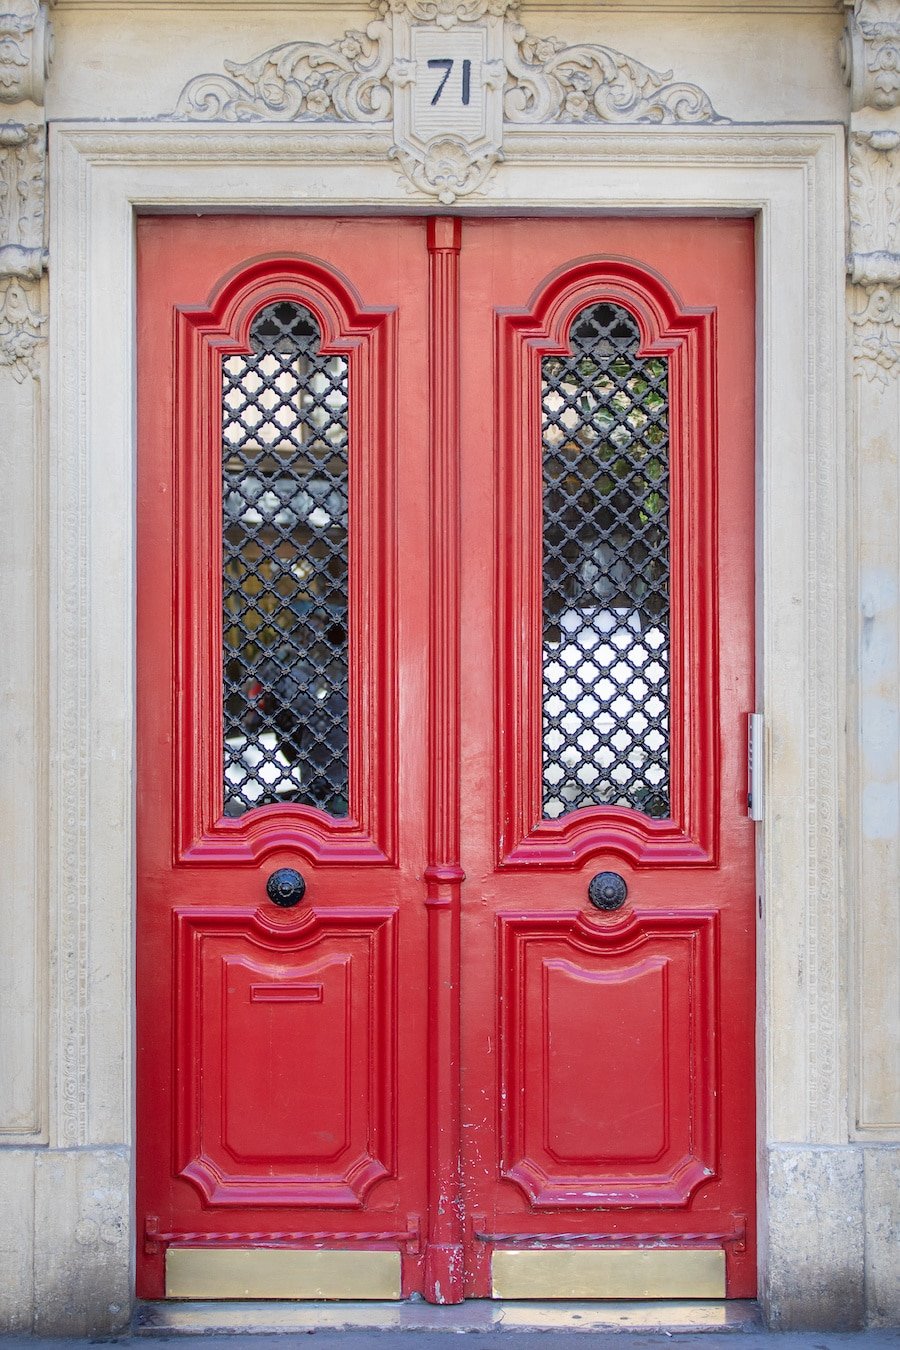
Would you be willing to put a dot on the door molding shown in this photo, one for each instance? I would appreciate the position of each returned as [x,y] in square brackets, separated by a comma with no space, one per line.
[686,338]
[791,180]
[367,338]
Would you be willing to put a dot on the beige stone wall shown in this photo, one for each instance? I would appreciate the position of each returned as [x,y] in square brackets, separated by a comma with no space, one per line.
[756,66]
[830,623]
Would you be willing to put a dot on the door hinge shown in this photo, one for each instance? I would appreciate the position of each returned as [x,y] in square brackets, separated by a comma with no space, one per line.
[755,766]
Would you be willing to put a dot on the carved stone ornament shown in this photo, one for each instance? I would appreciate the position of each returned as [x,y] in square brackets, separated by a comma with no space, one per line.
[22,182]
[870,55]
[25,49]
[448,74]
[874,261]
[553,82]
[871,60]
[26,46]
[874,198]
[876,333]
[21,328]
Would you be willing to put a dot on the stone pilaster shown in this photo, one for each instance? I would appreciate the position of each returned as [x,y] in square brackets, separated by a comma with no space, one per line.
[24,59]
[872,70]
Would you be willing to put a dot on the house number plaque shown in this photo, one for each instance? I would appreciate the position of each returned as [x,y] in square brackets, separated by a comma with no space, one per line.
[448,83]
[448,109]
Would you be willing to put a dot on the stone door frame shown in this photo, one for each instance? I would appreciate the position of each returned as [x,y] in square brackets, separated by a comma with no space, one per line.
[792,181]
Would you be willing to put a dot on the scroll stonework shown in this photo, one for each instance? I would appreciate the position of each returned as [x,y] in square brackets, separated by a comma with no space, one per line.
[355,79]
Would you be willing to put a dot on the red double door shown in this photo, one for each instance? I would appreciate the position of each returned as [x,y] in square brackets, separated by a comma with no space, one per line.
[446,881]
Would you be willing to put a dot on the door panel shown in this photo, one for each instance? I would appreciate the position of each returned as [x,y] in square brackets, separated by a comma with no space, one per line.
[286,1055]
[445,603]
[280,1097]
[607,1068]
[644,988]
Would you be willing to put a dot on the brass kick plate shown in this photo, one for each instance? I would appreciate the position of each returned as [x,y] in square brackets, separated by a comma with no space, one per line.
[279,1272]
[609,1274]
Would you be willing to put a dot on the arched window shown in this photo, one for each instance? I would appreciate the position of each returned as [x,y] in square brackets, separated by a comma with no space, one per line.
[605,434]
[284,503]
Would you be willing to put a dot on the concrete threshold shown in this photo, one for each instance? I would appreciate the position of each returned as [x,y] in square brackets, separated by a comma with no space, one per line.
[172,1318]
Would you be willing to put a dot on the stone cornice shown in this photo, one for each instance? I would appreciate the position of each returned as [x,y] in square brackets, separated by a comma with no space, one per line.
[535,8]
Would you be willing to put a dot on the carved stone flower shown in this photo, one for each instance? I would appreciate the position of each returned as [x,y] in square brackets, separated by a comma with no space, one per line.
[447,166]
[577,105]
[318,102]
[542,49]
[447,160]
[351,46]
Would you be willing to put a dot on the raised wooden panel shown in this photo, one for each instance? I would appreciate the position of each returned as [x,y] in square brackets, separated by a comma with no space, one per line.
[686,339]
[299,1015]
[206,833]
[620,1068]
[286,1055]
[609,1069]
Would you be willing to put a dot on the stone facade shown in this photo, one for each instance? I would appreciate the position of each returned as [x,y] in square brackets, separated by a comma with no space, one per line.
[785,109]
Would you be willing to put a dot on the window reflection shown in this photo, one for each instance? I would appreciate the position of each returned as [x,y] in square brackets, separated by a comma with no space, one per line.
[284,433]
[605,570]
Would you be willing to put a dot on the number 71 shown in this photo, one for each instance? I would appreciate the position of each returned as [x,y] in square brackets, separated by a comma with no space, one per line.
[446,64]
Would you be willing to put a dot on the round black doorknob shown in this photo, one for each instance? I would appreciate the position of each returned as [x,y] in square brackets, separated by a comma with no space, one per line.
[607,890]
[285,887]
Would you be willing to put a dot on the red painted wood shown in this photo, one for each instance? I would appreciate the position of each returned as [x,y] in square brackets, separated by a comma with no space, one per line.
[687,340]
[444,1268]
[280,1082]
[587,1121]
[259,1000]
[445,1047]
[202,338]
[608,1064]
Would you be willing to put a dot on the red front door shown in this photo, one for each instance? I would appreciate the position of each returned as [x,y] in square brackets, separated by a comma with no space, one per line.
[446,890]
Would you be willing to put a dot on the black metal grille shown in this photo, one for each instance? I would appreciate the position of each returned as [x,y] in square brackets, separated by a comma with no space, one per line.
[606,570]
[284,448]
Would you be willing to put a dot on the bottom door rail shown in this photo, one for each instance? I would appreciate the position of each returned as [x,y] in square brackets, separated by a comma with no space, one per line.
[154,1238]
[634,1239]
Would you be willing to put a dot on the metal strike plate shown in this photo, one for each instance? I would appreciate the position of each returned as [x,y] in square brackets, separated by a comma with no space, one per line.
[626,1275]
[755,761]
[281,1273]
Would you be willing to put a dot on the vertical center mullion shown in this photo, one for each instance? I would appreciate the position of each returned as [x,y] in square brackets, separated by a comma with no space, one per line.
[444,1263]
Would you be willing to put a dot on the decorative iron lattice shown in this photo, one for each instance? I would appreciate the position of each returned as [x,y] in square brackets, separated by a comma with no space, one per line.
[605,570]
[284,447]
